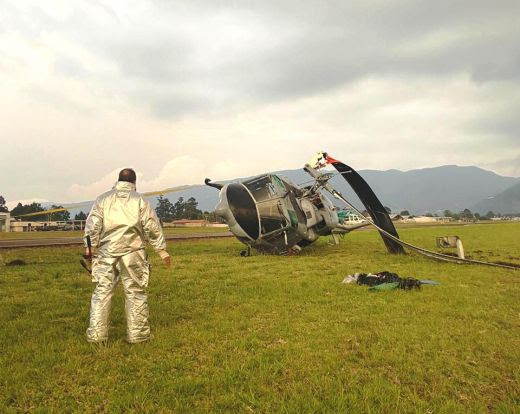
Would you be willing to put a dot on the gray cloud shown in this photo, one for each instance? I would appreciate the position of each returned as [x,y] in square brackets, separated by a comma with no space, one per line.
[315,46]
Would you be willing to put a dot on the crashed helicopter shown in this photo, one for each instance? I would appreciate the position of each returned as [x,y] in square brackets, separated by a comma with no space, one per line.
[273,215]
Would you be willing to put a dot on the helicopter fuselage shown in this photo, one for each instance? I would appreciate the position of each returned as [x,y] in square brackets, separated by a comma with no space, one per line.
[272,215]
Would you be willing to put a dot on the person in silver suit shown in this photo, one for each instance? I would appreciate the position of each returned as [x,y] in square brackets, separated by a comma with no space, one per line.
[119,225]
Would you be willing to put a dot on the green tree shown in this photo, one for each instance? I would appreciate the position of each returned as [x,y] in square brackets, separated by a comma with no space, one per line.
[178,208]
[404,213]
[428,214]
[489,215]
[59,215]
[466,214]
[3,207]
[21,209]
[164,209]
[191,212]
[80,216]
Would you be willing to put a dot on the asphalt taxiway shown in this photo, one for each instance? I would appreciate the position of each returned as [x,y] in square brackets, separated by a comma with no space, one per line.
[71,241]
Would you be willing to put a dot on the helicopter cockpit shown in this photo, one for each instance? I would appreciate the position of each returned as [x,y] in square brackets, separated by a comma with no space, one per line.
[268,192]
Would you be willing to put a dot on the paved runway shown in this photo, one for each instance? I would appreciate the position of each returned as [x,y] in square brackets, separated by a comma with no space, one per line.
[71,241]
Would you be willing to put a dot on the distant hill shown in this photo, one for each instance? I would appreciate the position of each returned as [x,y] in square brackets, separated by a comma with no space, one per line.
[436,189]
[506,202]
[418,191]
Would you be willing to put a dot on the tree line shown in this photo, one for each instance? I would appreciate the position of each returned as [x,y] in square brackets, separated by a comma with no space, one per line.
[181,209]
[465,214]
[468,215]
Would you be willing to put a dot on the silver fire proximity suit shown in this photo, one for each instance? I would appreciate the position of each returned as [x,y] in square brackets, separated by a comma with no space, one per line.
[119,224]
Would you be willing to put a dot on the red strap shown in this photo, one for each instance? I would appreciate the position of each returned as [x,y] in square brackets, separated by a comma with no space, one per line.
[331,160]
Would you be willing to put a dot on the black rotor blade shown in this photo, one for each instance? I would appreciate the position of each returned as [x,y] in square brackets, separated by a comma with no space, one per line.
[374,207]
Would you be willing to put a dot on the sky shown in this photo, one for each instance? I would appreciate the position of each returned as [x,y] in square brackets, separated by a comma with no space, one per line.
[183,90]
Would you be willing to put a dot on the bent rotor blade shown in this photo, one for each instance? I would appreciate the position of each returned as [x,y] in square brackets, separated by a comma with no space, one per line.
[374,207]
[171,190]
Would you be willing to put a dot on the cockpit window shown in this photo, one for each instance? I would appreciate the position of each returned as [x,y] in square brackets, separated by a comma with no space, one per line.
[279,182]
[261,188]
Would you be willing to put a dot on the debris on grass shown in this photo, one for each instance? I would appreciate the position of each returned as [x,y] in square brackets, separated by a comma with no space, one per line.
[386,281]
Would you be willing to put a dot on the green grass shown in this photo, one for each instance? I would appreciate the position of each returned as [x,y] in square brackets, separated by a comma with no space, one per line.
[271,334]
[61,234]
[191,230]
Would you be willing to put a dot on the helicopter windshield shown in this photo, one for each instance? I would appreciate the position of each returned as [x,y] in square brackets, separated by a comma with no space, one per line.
[265,187]
[267,190]
[261,188]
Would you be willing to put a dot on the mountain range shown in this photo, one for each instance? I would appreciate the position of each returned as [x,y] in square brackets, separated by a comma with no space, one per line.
[507,201]
[420,191]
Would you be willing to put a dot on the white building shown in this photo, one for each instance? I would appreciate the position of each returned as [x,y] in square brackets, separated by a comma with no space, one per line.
[22,226]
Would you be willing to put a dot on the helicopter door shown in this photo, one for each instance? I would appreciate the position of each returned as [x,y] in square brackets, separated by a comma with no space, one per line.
[271,216]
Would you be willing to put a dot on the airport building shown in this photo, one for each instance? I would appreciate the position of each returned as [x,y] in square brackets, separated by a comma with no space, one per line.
[8,224]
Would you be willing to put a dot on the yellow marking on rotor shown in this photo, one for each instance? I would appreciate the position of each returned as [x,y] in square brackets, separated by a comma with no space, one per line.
[170,190]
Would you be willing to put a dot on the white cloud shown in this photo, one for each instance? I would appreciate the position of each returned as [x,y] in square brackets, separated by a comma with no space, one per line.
[79,192]
[181,170]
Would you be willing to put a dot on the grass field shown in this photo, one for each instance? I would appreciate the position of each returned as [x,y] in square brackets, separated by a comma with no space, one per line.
[61,234]
[272,334]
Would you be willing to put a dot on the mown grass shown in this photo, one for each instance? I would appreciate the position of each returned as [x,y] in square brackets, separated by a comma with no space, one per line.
[271,334]
[61,234]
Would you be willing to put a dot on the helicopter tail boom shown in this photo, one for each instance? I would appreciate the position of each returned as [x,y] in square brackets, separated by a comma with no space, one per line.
[208,182]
